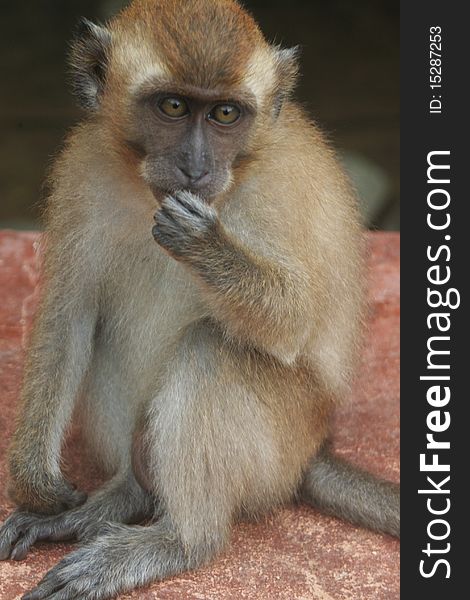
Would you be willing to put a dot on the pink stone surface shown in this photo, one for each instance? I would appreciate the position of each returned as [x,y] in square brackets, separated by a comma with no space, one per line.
[295,553]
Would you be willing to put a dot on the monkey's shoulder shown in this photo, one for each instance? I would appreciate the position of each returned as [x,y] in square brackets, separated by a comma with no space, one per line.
[297,160]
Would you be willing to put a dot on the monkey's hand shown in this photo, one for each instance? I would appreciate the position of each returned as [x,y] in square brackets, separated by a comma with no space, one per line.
[20,521]
[184,224]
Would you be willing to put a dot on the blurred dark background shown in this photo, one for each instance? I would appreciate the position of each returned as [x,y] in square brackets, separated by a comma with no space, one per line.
[350,83]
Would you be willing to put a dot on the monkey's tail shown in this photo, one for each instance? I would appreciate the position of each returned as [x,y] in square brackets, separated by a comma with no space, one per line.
[338,488]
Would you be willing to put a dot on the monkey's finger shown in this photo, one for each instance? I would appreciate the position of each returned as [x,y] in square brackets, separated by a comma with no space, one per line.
[22,547]
[178,213]
[42,531]
[191,203]
[186,211]
[166,216]
[7,541]
[48,585]
[64,581]
[163,239]
[41,592]
[8,536]
[67,593]
[11,531]
[166,231]
[79,587]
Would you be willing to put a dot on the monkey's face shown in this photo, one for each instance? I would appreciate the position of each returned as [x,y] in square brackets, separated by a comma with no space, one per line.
[191,139]
[188,86]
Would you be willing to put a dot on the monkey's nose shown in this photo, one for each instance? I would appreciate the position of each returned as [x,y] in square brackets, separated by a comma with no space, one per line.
[193,177]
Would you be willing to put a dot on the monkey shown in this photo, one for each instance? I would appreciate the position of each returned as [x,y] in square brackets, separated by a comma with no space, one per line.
[201,309]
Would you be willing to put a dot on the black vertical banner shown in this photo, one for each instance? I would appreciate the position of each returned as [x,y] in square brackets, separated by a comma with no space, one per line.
[435,166]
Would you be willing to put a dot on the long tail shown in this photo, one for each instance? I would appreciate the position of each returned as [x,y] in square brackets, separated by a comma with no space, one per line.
[340,489]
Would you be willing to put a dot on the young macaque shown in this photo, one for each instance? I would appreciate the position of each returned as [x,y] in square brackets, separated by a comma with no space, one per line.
[201,308]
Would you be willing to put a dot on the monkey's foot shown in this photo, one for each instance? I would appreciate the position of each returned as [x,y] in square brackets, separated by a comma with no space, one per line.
[120,559]
[89,572]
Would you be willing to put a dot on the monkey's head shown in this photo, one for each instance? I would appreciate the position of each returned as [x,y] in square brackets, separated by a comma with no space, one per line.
[188,85]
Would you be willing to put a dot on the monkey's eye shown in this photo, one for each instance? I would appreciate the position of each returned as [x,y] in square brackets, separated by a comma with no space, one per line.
[175,108]
[225,114]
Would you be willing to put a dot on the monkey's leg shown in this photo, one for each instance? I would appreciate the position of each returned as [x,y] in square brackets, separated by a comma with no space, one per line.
[209,447]
[106,411]
[107,419]
[205,448]
[122,500]
[340,489]
[192,471]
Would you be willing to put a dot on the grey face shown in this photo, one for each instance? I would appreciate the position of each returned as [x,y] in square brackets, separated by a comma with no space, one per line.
[191,141]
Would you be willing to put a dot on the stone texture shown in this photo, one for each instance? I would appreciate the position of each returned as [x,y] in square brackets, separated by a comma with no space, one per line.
[294,554]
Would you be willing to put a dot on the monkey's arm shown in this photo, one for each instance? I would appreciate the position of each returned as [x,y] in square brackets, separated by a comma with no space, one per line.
[252,296]
[57,357]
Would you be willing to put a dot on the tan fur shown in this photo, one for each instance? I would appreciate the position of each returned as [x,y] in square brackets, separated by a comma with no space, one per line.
[308,225]
[225,365]
[198,40]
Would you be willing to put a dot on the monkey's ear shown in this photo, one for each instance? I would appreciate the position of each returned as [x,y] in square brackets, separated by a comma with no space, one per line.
[88,60]
[287,66]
